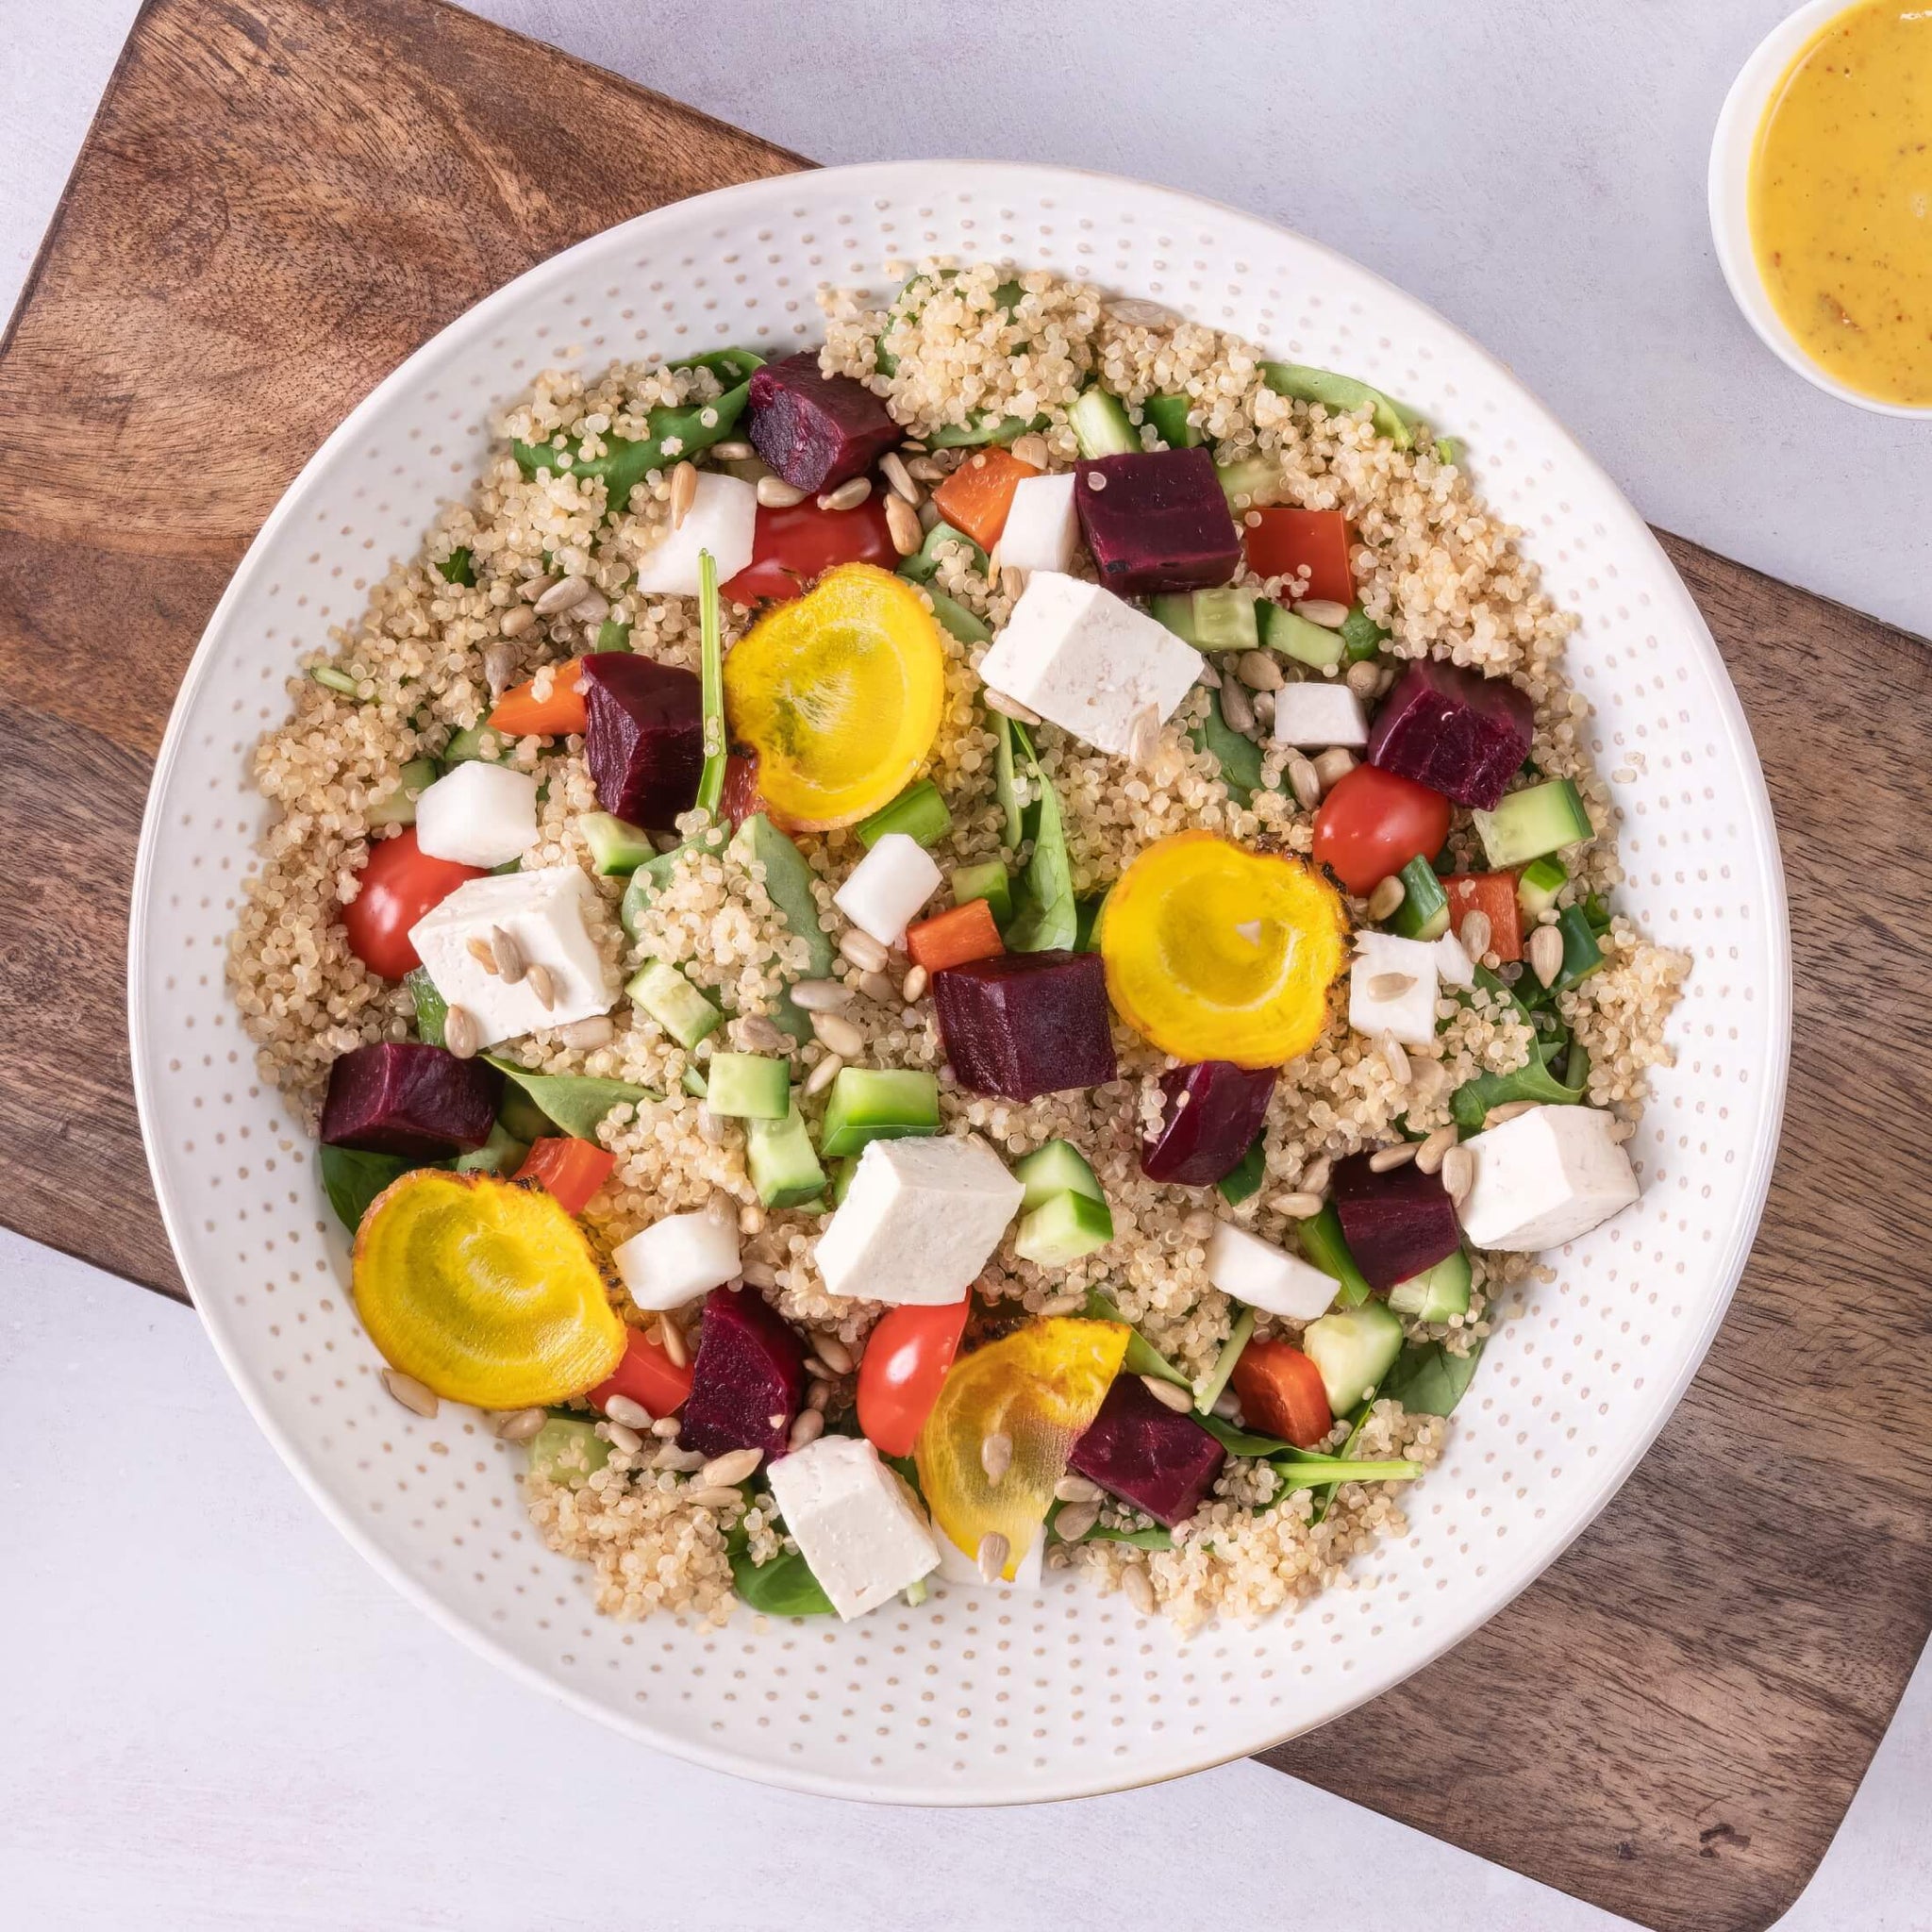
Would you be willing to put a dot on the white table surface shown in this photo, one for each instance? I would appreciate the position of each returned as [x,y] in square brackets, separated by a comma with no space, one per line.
[213,1715]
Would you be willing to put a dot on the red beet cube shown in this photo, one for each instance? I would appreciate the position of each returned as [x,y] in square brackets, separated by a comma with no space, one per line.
[1026,1023]
[402,1097]
[1147,1453]
[1157,521]
[816,431]
[1213,1111]
[1456,731]
[746,1379]
[1396,1224]
[644,738]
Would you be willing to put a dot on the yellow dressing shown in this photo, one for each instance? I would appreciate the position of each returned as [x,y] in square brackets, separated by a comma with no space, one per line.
[1841,198]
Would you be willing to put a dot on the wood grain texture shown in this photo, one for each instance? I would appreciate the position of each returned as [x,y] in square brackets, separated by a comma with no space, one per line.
[280,199]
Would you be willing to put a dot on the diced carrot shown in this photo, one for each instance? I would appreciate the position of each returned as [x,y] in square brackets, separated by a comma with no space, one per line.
[1281,1391]
[520,713]
[1493,892]
[951,938]
[569,1171]
[977,495]
[1287,540]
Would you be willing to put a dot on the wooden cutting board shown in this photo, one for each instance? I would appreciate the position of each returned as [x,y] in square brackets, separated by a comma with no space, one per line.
[278,200]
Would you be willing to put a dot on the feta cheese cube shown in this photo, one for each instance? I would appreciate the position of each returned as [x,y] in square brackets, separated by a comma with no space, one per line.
[1316,715]
[549,914]
[919,1222]
[1088,660]
[1411,1014]
[677,1259]
[853,1522]
[887,886]
[1546,1177]
[478,814]
[961,1567]
[1267,1278]
[722,518]
[1042,526]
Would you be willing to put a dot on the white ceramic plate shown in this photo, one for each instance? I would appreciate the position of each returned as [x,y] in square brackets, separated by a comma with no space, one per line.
[977,1698]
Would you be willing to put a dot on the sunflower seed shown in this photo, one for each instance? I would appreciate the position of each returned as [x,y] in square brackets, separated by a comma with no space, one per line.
[1076,1489]
[624,1409]
[823,1075]
[665,1429]
[879,987]
[912,987]
[902,525]
[991,1558]
[499,667]
[587,1035]
[1227,1405]
[1143,736]
[1458,1173]
[533,588]
[516,619]
[1074,1523]
[820,996]
[1071,1303]
[996,1456]
[758,1274]
[848,495]
[1323,610]
[670,1339]
[1509,1110]
[1198,1223]
[1008,707]
[1362,679]
[1209,676]
[537,976]
[819,1397]
[725,1472]
[1031,450]
[775,494]
[1474,932]
[838,1034]
[732,452]
[927,469]
[1304,782]
[1394,1059]
[683,492]
[511,963]
[1135,314]
[1259,671]
[1386,1160]
[1236,711]
[460,1036]
[562,596]
[712,1126]
[754,1033]
[517,1425]
[1384,900]
[411,1393]
[1334,765]
[721,1210]
[833,1353]
[480,951]
[807,1425]
[593,607]
[899,478]
[1317,1174]
[863,950]
[679,1461]
[1391,986]
[1169,1394]
[622,1438]
[1547,954]
[1427,1078]
[1300,1206]
[707,1497]
[1428,1156]
[1140,1587]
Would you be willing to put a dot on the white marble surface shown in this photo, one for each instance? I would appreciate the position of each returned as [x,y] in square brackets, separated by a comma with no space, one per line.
[214,1716]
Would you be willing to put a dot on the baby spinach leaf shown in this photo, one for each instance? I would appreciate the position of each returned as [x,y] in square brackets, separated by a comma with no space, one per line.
[1471,1102]
[1142,1358]
[1239,756]
[575,1102]
[352,1179]
[1244,1441]
[431,1007]
[1428,1380]
[458,567]
[1342,392]
[1045,917]
[785,1586]
[1152,1538]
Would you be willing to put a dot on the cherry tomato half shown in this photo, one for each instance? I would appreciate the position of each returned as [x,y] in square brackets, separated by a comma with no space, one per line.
[569,1171]
[647,1374]
[905,1359]
[1282,1392]
[789,548]
[1374,823]
[400,883]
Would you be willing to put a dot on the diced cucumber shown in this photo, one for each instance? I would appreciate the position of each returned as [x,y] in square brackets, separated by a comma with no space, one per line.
[399,806]
[872,1103]
[783,1166]
[1424,913]
[923,565]
[842,1171]
[1175,608]
[1058,1167]
[1224,620]
[616,848]
[1354,1348]
[1087,913]
[988,882]
[1323,1247]
[1538,819]
[1245,1178]
[693,1083]
[956,618]
[1437,1294]
[1361,636]
[919,811]
[673,1001]
[1101,425]
[1250,477]
[1538,884]
[1313,645]
[431,1007]
[1169,416]
[1063,1228]
[475,741]
[1582,956]
[748,1085]
[568,1449]
[503,1153]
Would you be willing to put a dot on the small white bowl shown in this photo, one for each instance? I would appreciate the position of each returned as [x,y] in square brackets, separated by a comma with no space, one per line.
[1730,206]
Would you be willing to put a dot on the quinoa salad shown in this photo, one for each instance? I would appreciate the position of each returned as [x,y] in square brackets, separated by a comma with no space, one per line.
[988,948]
